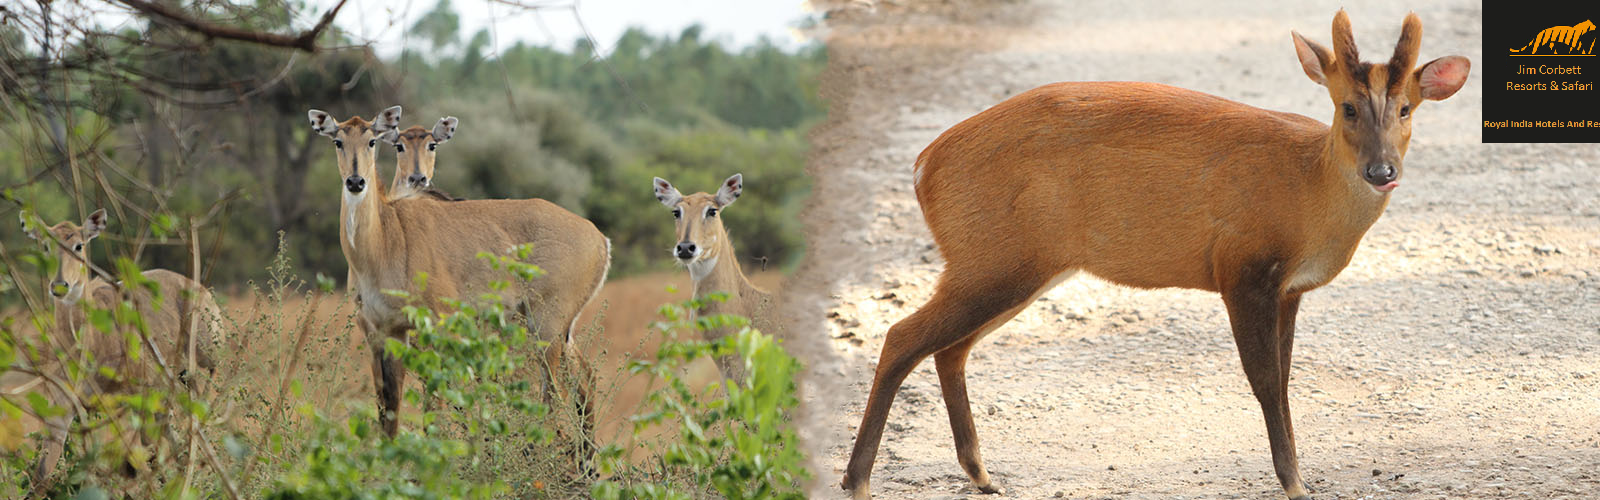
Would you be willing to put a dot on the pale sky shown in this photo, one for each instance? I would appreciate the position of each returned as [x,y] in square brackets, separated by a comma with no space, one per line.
[734,22]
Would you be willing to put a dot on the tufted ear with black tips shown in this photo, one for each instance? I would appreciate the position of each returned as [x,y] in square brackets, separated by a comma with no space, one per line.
[666,194]
[730,190]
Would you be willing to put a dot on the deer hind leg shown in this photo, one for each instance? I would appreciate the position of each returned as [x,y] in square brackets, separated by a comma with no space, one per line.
[965,307]
[567,379]
[1258,311]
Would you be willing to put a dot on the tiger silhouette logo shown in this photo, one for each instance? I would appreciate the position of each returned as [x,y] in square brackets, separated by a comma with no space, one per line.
[1569,36]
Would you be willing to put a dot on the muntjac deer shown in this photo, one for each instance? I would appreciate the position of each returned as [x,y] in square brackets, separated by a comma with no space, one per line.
[705,248]
[388,242]
[183,321]
[1152,186]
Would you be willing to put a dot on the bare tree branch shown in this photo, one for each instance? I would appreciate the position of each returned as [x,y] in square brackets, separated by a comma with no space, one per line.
[306,40]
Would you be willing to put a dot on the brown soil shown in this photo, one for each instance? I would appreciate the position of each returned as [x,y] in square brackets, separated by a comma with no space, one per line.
[1456,357]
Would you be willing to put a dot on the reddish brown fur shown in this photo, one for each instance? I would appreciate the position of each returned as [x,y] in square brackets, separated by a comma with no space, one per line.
[1152,186]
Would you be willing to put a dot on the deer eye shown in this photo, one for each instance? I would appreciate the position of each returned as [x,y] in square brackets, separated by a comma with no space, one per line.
[338,144]
[77,247]
[372,143]
[711,212]
[432,146]
[1349,111]
[677,213]
[399,148]
[1405,111]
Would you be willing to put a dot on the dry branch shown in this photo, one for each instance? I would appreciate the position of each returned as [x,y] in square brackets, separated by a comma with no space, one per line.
[306,40]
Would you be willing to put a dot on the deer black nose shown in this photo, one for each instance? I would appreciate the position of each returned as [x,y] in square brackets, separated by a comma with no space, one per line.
[58,289]
[1379,174]
[355,184]
[686,250]
[417,180]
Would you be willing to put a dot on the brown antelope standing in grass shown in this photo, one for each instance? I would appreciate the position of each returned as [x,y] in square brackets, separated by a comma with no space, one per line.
[184,322]
[413,168]
[389,242]
[705,248]
[1153,186]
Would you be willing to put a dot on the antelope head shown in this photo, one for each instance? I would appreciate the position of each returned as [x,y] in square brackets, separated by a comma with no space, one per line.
[355,141]
[414,150]
[70,243]
[699,224]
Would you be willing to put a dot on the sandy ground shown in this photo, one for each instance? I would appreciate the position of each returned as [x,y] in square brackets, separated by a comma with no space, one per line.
[1456,357]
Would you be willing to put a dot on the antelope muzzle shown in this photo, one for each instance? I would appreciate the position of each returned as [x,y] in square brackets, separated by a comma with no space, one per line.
[355,184]
[686,251]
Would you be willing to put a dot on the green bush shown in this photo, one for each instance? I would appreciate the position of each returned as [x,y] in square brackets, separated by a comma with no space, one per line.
[741,445]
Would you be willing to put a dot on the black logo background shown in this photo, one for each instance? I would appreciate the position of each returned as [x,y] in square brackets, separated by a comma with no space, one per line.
[1508,25]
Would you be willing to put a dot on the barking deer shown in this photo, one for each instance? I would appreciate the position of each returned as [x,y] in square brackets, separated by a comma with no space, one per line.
[389,242]
[1152,186]
[182,318]
[705,248]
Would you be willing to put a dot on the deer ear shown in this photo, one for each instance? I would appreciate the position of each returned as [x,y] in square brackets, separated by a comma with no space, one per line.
[666,194]
[321,122]
[390,137]
[1314,59]
[1442,77]
[94,225]
[26,228]
[388,120]
[730,190]
[445,129]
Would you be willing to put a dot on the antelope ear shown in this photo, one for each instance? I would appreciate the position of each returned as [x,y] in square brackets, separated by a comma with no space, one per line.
[1314,59]
[730,190]
[94,225]
[321,122]
[1442,77]
[388,120]
[666,194]
[390,137]
[26,229]
[445,129]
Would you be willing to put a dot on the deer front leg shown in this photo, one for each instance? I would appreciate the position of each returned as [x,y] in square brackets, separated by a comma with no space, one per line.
[1256,304]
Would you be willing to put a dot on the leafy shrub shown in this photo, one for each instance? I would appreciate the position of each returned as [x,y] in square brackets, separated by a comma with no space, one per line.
[740,445]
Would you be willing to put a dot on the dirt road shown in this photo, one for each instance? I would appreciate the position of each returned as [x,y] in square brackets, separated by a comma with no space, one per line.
[1457,357]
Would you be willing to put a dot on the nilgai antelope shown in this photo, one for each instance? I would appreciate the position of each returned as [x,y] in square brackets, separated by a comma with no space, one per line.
[184,322]
[413,167]
[1152,186]
[414,159]
[705,248]
[389,242]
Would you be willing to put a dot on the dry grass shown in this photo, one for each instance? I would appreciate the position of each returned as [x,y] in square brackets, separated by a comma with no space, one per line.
[333,373]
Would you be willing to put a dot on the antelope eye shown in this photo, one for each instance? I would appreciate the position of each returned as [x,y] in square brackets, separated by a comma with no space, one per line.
[1405,111]
[339,144]
[400,148]
[1349,111]
[711,212]
[432,146]
[372,143]
[677,213]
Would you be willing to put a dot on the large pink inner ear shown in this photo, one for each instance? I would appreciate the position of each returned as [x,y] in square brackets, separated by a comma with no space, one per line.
[1442,77]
